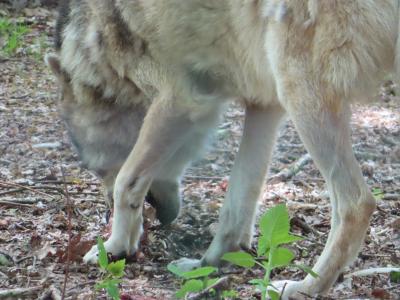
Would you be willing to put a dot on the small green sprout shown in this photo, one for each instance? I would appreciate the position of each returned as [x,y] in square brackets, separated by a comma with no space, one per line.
[112,272]
[274,229]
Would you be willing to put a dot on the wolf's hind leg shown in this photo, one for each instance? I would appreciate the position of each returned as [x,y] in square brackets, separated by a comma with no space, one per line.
[323,125]
[237,215]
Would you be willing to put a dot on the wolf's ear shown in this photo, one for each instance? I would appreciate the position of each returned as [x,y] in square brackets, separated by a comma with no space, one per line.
[53,62]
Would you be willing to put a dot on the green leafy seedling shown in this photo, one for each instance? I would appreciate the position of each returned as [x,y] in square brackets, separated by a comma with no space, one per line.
[274,229]
[194,281]
[395,276]
[112,272]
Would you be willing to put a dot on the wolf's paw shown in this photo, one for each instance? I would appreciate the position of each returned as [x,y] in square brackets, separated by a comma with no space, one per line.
[187,264]
[291,289]
[116,250]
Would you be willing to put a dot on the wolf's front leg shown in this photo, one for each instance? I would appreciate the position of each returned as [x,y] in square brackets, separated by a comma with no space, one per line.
[166,128]
[127,221]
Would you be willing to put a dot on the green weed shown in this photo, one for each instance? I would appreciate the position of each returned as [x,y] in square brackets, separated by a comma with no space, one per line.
[274,229]
[378,194]
[11,34]
[112,272]
[193,281]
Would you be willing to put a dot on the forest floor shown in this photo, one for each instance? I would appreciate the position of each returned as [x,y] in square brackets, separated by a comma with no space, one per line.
[35,152]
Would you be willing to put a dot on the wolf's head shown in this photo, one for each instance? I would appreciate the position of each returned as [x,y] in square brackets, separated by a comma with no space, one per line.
[102,132]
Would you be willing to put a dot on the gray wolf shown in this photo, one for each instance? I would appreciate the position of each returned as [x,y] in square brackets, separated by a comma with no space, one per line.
[151,79]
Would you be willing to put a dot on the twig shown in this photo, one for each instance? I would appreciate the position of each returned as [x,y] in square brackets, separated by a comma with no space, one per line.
[306,296]
[221,283]
[64,182]
[363,155]
[24,258]
[296,221]
[391,197]
[67,263]
[80,285]
[14,204]
[372,271]
[21,96]
[288,173]
[283,290]
[19,292]
[48,187]
[215,178]
[393,287]
[11,191]
[3,183]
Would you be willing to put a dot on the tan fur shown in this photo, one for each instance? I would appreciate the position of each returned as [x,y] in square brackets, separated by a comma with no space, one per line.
[182,60]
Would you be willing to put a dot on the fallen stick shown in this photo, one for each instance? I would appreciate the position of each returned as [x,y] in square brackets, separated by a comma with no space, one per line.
[65,182]
[289,172]
[372,271]
[69,224]
[11,191]
[296,221]
[391,197]
[14,204]
[221,284]
[32,189]
[296,167]
[212,178]
[19,292]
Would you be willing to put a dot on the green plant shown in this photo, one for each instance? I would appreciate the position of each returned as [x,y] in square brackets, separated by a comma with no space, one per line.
[378,193]
[112,272]
[274,229]
[194,281]
[395,276]
[12,34]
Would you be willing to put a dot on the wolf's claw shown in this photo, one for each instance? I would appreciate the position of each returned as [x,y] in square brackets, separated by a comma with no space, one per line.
[92,256]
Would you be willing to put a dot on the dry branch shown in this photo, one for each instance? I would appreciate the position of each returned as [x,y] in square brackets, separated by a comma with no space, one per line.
[19,292]
[288,173]
[221,284]
[69,212]
[372,271]
[14,203]
[32,189]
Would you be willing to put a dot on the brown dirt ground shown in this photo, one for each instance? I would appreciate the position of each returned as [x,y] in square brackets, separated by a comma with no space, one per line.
[34,148]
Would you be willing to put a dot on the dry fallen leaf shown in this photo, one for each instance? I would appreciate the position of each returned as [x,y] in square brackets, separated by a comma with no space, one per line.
[380,294]
[45,251]
[78,249]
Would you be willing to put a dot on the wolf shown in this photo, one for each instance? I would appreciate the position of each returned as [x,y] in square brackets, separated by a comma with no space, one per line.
[145,81]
